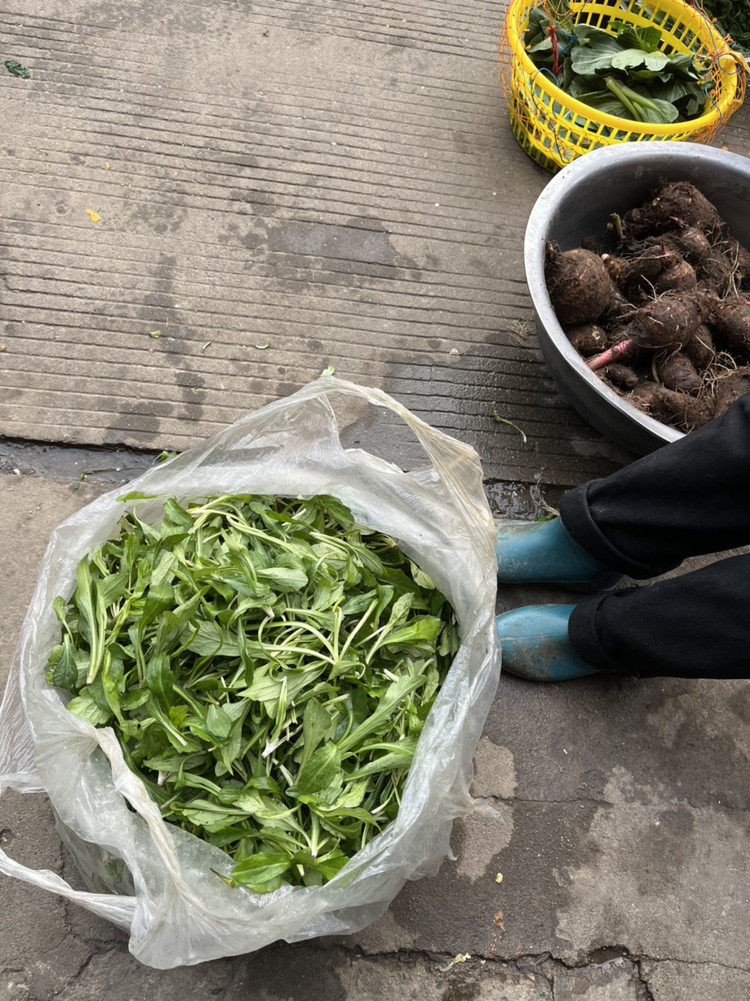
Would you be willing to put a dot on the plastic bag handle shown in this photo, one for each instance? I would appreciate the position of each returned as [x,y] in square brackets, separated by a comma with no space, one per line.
[456,463]
[114,907]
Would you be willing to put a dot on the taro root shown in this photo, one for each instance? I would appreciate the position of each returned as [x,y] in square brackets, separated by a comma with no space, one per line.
[700,347]
[730,388]
[726,268]
[689,242]
[578,283]
[742,262]
[717,272]
[644,267]
[680,276]
[678,410]
[675,203]
[588,338]
[618,308]
[666,322]
[622,376]
[731,322]
[676,371]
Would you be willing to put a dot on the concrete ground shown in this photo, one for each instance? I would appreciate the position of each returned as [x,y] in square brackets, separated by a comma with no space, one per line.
[279,188]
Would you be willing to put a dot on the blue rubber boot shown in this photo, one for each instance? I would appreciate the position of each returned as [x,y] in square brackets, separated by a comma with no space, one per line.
[534,644]
[544,552]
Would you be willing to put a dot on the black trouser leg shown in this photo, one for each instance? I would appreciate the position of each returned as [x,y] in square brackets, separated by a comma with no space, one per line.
[693,626]
[688,498]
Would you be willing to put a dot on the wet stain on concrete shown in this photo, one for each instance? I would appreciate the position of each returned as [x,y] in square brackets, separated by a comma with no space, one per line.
[348,243]
[288,969]
[461,992]
[665,848]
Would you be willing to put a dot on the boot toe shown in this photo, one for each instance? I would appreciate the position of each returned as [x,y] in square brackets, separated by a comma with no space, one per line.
[535,645]
[532,552]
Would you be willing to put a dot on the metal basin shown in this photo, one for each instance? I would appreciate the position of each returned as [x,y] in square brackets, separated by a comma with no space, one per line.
[578,202]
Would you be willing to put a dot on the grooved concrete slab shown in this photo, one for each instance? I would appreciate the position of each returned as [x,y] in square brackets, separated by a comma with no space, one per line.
[206,204]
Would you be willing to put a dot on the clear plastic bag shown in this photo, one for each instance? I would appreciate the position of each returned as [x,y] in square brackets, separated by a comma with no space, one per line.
[153,879]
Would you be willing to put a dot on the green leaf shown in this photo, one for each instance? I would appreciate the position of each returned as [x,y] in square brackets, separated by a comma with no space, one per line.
[393,761]
[247,643]
[176,520]
[136,495]
[634,58]
[230,748]
[64,670]
[326,866]
[134,699]
[218,722]
[83,705]
[396,692]
[320,770]
[425,629]
[646,38]
[112,588]
[210,641]
[317,725]
[160,678]
[85,600]
[284,579]
[352,794]
[259,870]
[160,598]
[593,55]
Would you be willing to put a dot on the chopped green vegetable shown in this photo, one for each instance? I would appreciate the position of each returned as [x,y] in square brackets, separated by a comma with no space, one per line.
[17,69]
[621,71]
[267,665]
[503,420]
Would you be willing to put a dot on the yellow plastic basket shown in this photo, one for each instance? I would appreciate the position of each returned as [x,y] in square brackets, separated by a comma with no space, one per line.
[554,128]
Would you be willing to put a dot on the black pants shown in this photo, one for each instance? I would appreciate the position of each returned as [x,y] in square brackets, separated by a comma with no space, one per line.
[689,498]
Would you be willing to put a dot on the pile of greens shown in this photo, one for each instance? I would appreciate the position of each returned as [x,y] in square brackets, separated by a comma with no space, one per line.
[621,71]
[734,19]
[267,665]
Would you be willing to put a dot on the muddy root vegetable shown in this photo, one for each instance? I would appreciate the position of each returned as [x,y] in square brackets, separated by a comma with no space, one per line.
[588,339]
[578,283]
[731,322]
[677,372]
[678,410]
[666,322]
[700,348]
[618,308]
[688,241]
[674,204]
[742,259]
[644,267]
[729,388]
[717,272]
[680,276]
[621,376]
